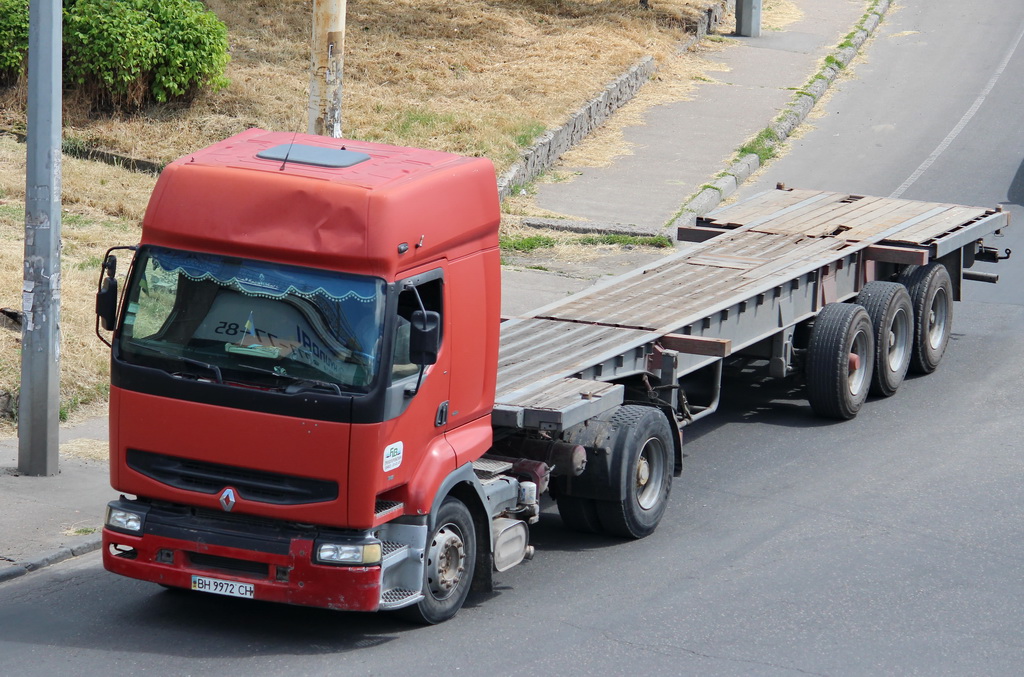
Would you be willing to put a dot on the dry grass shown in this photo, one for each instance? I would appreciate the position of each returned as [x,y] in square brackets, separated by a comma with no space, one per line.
[560,246]
[106,205]
[478,78]
[777,14]
[83,448]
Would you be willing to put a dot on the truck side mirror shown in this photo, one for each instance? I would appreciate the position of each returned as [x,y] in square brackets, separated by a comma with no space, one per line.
[106,303]
[106,296]
[424,337]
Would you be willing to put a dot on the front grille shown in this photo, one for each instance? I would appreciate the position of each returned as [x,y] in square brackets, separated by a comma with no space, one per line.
[212,478]
[229,564]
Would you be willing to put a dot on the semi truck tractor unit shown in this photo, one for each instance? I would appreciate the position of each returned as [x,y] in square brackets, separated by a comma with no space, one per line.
[315,399]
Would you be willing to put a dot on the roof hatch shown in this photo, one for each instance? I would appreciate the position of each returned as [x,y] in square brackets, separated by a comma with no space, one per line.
[318,156]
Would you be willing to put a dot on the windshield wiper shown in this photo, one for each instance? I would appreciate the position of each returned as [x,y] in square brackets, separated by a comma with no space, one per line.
[303,384]
[298,384]
[218,377]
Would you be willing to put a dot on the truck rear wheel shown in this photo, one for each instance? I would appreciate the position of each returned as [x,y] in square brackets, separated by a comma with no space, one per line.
[931,293]
[450,560]
[840,358]
[892,316]
[644,438]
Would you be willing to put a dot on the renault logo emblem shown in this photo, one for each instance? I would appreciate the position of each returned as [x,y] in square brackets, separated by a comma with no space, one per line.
[227,499]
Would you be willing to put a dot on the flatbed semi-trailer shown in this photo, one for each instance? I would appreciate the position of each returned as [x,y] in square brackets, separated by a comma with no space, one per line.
[761,268]
[314,399]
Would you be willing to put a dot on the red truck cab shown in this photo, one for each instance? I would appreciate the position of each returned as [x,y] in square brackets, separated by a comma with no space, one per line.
[286,405]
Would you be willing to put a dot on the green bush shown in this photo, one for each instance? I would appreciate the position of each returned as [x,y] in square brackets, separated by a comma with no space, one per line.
[193,49]
[110,50]
[125,53]
[13,39]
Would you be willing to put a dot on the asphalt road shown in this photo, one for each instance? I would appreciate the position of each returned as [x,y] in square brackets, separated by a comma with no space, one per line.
[890,544]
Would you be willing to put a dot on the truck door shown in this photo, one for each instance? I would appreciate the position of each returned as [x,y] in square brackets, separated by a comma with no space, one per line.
[415,452]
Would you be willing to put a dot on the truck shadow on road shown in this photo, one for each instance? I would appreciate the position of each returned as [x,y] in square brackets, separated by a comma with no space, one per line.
[750,397]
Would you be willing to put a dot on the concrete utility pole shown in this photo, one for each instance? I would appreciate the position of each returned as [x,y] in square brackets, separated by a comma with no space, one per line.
[39,402]
[748,18]
[327,64]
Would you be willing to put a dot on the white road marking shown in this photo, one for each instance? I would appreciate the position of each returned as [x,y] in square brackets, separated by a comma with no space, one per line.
[963,121]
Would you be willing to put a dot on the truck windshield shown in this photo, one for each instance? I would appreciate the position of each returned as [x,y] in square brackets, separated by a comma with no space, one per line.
[253,322]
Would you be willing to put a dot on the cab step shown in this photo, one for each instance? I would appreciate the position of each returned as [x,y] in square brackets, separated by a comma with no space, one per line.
[396,598]
[487,468]
[385,508]
[393,553]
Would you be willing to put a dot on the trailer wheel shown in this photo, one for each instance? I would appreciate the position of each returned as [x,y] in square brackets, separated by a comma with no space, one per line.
[892,316]
[840,357]
[449,563]
[931,293]
[644,438]
[579,514]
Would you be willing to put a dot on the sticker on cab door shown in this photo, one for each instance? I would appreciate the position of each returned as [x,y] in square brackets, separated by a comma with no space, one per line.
[392,456]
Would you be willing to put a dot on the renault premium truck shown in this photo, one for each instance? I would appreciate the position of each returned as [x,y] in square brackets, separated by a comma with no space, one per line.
[315,399]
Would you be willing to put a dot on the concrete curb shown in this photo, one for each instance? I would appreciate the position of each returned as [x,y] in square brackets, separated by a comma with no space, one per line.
[550,145]
[75,549]
[590,227]
[708,198]
[132,164]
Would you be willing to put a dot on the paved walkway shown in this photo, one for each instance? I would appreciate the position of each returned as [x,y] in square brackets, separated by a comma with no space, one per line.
[683,145]
[678,148]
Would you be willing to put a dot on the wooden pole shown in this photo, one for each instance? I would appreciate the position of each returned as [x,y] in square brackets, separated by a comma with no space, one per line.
[326,67]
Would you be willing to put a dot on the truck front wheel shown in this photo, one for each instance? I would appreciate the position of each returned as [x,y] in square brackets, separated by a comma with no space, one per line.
[450,560]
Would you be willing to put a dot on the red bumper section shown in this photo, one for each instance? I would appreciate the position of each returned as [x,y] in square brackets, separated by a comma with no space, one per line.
[291,578]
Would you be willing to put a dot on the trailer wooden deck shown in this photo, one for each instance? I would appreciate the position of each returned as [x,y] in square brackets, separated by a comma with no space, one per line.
[764,265]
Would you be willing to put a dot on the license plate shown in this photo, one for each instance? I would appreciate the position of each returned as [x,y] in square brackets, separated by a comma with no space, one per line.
[219,587]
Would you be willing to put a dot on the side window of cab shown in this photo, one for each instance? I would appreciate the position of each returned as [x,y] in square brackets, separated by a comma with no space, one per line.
[430,294]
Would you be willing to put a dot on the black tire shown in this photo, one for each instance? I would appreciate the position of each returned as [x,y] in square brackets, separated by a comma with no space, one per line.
[449,563]
[892,317]
[644,439]
[931,294]
[579,514]
[840,359]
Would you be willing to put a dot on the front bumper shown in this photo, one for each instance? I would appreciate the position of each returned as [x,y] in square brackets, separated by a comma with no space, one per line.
[277,561]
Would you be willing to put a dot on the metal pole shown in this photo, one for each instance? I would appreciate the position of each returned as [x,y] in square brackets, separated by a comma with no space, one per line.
[326,68]
[39,401]
[748,18]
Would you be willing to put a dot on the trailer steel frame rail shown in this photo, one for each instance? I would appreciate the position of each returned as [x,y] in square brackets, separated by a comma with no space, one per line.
[757,270]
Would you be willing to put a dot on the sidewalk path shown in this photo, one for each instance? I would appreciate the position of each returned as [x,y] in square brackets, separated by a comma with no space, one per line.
[683,145]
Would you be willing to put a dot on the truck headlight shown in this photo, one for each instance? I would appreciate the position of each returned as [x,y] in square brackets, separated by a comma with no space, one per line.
[344,553]
[123,520]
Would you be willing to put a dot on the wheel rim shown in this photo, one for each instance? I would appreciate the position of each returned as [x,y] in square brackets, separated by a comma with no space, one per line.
[649,474]
[858,360]
[899,340]
[446,561]
[938,317]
